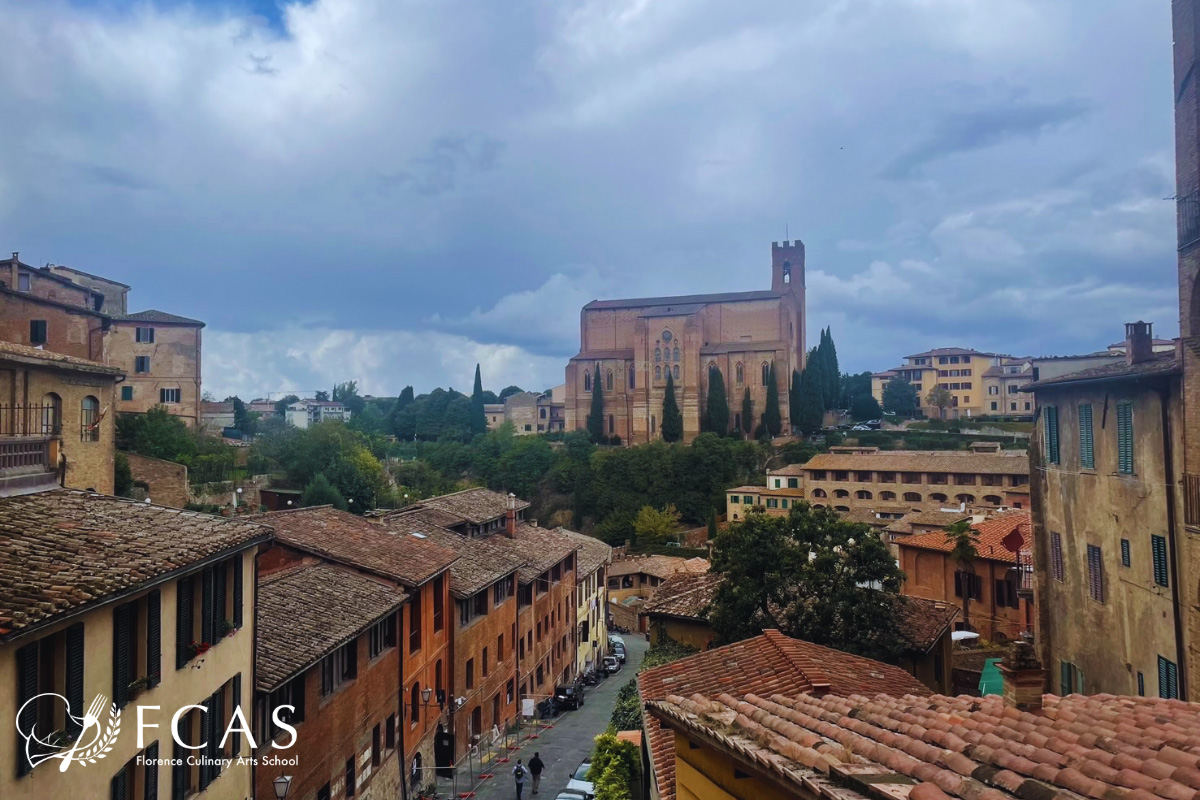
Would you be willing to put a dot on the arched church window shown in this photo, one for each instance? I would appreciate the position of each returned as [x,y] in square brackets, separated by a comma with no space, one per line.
[740,371]
[658,373]
[657,354]
[587,381]
[787,272]
[608,381]
[766,371]
[675,372]
[676,353]
[632,382]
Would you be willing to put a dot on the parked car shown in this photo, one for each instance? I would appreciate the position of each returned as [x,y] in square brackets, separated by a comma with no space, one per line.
[571,794]
[611,665]
[618,650]
[580,783]
[860,428]
[614,639]
[569,695]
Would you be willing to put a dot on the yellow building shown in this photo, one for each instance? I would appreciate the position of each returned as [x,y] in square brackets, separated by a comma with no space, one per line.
[132,606]
[784,488]
[979,383]
[591,600]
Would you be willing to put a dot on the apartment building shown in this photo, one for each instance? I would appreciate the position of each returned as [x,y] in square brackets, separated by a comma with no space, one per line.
[529,412]
[138,606]
[160,356]
[782,490]
[591,600]
[979,383]
[847,478]
[305,413]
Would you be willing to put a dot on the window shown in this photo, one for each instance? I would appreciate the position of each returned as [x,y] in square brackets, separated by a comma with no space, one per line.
[587,381]
[912,477]
[993,391]
[793,483]
[414,624]
[938,497]
[439,603]
[126,392]
[471,672]
[841,493]
[218,591]
[772,502]
[657,373]
[1125,438]
[657,355]
[1141,683]
[290,694]
[169,395]
[339,667]
[611,424]
[887,477]
[608,381]
[1095,564]
[144,335]
[675,372]
[502,590]
[1158,548]
[887,495]
[51,413]
[350,777]
[740,372]
[766,373]
[1168,679]
[677,358]
[1006,593]
[141,364]
[383,636]
[632,381]
[414,703]
[994,405]
[912,497]
[500,649]
[964,498]
[734,499]
[483,663]
[53,664]
[389,737]
[137,645]
[37,331]
[863,494]
[89,419]
[1125,554]
[1050,433]
[24,282]
[1056,556]
[969,583]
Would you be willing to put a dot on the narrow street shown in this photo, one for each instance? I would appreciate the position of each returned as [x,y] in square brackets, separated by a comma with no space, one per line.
[565,745]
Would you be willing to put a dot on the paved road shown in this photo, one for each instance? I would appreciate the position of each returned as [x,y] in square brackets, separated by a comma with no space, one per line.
[570,740]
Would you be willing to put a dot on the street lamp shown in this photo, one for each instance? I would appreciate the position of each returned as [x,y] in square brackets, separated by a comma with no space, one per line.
[282,784]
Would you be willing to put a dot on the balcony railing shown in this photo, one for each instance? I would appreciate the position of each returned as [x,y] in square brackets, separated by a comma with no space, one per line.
[31,420]
[1025,572]
[19,456]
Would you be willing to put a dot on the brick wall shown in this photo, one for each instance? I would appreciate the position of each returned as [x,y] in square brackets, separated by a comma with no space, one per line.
[167,481]
[76,333]
[174,364]
[470,642]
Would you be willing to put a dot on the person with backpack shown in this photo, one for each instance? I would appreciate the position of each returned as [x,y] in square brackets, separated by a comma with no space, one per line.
[536,765]
[519,775]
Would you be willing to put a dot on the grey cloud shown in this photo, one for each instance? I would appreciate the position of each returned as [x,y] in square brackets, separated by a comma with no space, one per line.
[438,169]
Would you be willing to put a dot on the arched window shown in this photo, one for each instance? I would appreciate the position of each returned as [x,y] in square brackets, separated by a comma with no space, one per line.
[657,373]
[740,372]
[676,353]
[657,355]
[587,381]
[766,371]
[993,500]
[842,509]
[51,414]
[89,419]
[819,493]
[965,498]
[818,505]
[737,422]
[841,493]
[938,497]
[887,495]
[787,272]
[415,701]
[675,372]
[632,382]
[863,494]
[542,412]
[912,497]
[608,380]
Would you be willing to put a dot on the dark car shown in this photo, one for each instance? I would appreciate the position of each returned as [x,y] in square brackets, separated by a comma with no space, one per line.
[569,695]
[618,650]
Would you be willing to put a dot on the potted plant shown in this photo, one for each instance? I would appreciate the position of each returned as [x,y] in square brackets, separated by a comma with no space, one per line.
[138,686]
[227,628]
[197,648]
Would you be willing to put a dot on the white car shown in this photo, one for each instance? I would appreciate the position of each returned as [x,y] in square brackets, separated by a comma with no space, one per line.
[614,639]
[580,783]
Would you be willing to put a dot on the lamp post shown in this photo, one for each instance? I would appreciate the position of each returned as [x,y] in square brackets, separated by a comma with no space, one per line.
[281,785]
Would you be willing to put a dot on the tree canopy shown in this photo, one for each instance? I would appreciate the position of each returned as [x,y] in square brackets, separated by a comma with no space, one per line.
[940,397]
[717,408]
[864,406]
[320,492]
[654,525]
[160,434]
[509,390]
[771,417]
[595,419]
[478,418]
[811,405]
[672,417]
[747,412]
[900,397]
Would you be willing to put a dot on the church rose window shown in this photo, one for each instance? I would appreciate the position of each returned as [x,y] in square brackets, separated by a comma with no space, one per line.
[666,337]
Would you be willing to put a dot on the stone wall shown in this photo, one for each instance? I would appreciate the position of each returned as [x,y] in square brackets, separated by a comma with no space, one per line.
[174,364]
[167,481]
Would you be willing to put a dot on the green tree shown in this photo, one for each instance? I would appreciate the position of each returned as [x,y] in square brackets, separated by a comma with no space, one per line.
[717,411]
[964,541]
[811,408]
[809,574]
[614,769]
[244,420]
[321,396]
[456,421]
[122,475]
[712,525]
[831,371]
[320,492]
[509,390]
[865,406]
[940,397]
[747,413]
[900,397]
[771,418]
[282,403]
[595,420]
[794,400]
[854,386]
[656,526]
[523,466]
[478,418]
[672,417]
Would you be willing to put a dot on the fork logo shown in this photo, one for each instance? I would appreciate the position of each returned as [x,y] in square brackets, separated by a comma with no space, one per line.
[95,737]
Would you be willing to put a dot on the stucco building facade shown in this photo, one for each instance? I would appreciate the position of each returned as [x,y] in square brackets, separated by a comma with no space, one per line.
[628,347]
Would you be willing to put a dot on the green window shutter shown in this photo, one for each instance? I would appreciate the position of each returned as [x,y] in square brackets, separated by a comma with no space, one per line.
[1050,430]
[219,609]
[126,392]
[151,781]
[123,623]
[238,590]
[154,637]
[74,675]
[179,770]
[1158,547]
[1064,681]
[207,624]
[1126,556]
[1087,452]
[1168,678]
[183,621]
[1125,438]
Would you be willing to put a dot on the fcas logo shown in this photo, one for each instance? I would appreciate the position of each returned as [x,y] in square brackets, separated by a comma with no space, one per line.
[94,740]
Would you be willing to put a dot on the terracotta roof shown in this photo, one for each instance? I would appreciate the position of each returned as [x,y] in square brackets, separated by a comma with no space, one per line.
[766,665]
[972,748]
[992,533]
[864,516]
[1158,365]
[1007,462]
[481,561]
[429,516]
[658,566]
[21,352]
[64,551]
[746,490]
[152,315]
[687,299]
[473,505]
[309,611]
[1022,489]
[593,553]
[349,539]
[943,518]
[540,548]
[685,594]
[924,621]
[207,407]
[788,470]
[950,351]
[84,274]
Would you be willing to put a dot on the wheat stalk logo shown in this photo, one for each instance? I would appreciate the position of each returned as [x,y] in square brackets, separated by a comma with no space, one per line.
[41,748]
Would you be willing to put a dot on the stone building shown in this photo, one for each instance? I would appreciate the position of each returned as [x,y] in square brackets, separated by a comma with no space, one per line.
[783,489]
[529,412]
[56,421]
[108,597]
[979,383]
[628,347]
[1110,575]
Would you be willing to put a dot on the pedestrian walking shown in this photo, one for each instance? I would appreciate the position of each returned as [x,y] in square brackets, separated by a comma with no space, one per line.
[536,765]
[519,772]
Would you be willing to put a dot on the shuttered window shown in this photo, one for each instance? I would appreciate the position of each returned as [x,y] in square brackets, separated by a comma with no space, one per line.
[207,623]
[119,785]
[1141,680]
[1125,553]
[179,770]
[1158,547]
[238,579]
[1056,556]
[1087,451]
[1050,432]
[1095,564]
[206,733]
[74,675]
[27,689]
[154,637]
[220,601]
[235,703]
[183,622]
[124,626]
[1168,679]
[1125,438]
[151,779]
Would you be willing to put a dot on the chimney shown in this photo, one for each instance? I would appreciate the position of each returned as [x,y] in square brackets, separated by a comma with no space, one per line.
[1024,678]
[13,269]
[510,529]
[1139,342]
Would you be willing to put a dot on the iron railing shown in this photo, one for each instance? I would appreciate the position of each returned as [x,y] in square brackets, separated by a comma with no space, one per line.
[1025,571]
[31,420]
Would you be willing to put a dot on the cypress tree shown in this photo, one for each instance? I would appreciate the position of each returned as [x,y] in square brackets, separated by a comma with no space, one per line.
[717,416]
[811,407]
[595,420]
[771,416]
[833,376]
[478,418]
[712,524]
[672,418]
[794,400]
[747,412]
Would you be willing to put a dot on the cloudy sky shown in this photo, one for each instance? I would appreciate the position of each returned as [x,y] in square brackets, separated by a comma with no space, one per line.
[393,190]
